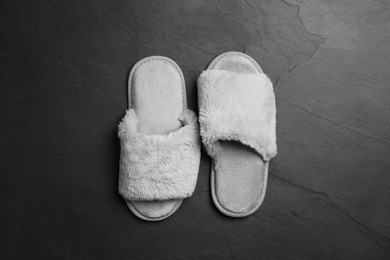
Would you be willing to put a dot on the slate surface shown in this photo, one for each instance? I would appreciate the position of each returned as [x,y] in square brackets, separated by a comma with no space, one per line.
[64,66]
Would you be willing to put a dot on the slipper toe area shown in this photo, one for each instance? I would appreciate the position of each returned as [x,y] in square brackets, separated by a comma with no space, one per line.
[235,62]
[154,210]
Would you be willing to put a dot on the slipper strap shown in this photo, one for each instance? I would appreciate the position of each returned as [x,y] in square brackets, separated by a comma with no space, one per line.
[238,107]
[158,167]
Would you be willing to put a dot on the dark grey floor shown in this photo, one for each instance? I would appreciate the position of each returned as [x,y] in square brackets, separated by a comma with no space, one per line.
[64,66]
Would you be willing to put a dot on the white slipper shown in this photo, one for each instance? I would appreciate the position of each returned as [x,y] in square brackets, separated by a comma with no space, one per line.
[237,120]
[160,143]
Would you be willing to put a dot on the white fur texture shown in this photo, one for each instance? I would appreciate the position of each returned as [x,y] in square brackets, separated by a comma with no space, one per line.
[237,106]
[158,167]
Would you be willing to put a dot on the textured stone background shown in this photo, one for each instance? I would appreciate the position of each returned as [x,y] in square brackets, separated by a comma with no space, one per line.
[64,66]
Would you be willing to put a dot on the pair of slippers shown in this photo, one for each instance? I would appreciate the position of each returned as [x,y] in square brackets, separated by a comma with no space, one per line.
[160,141]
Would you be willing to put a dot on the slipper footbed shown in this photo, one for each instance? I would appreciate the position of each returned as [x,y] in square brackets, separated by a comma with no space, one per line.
[157,94]
[239,183]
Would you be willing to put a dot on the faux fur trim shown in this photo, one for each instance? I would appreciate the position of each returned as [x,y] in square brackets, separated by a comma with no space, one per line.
[237,106]
[158,167]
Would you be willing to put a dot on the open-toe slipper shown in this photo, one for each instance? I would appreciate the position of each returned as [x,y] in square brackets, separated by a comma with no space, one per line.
[237,120]
[160,143]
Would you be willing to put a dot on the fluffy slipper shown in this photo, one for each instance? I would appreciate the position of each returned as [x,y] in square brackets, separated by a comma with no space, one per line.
[160,143]
[237,122]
